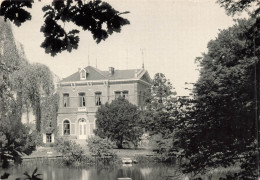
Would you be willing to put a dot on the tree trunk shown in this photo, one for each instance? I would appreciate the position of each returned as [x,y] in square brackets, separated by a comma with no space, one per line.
[19,105]
[27,115]
[120,143]
[38,117]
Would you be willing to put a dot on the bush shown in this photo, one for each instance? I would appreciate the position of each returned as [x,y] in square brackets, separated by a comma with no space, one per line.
[71,151]
[37,138]
[101,148]
[15,140]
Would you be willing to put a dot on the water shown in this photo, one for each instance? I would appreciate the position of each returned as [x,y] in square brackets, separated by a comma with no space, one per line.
[52,171]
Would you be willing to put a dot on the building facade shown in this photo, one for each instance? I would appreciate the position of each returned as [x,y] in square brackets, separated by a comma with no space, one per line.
[84,91]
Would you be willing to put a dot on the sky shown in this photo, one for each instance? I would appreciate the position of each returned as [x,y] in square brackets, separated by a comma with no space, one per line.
[171,33]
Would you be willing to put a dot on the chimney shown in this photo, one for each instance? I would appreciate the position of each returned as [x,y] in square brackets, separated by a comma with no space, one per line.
[111,71]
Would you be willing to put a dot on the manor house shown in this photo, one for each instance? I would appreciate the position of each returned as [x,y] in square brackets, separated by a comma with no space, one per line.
[84,91]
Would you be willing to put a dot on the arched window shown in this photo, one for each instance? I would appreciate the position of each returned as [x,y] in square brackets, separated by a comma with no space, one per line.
[66,127]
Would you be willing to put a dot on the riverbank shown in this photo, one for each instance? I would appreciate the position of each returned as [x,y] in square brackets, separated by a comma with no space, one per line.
[145,158]
[50,152]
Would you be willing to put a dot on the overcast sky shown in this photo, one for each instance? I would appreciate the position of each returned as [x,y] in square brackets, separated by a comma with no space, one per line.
[171,32]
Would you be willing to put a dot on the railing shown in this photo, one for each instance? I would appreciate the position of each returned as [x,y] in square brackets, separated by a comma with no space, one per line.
[77,109]
[82,109]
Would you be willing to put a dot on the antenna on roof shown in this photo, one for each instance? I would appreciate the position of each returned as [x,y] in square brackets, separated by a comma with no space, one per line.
[142,50]
[127,58]
[88,61]
[88,58]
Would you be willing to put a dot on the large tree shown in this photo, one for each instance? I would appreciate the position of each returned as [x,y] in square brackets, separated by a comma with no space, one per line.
[15,138]
[119,121]
[161,114]
[32,83]
[160,105]
[238,6]
[220,131]
[98,17]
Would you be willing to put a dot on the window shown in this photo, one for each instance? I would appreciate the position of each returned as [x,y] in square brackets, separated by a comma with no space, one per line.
[125,94]
[66,127]
[117,94]
[48,138]
[50,125]
[83,74]
[98,98]
[82,100]
[65,100]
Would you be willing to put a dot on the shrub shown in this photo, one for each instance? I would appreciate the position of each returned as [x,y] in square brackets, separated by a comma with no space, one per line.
[71,151]
[101,148]
[37,138]
[15,140]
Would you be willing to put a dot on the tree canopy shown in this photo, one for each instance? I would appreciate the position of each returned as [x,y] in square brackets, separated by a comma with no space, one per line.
[119,121]
[233,6]
[221,128]
[161,106]
[98,17]
[15,138]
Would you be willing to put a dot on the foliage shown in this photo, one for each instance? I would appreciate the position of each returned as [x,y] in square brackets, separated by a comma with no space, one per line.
[5,176]
[220,128]
[99,147]
[34,82]
[119,121]
[36,137]
[15,138]
[161,106]
[49,108]
[71,151]
[98,17]
[232,7]
[34,176]
[161,115]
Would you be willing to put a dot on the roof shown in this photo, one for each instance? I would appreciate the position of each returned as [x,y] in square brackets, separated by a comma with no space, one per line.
[96,74]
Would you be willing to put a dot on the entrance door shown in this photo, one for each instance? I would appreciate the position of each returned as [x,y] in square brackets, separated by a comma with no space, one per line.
[82,129]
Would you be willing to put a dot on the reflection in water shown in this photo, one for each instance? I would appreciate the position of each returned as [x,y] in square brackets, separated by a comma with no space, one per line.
[146,171]
[52,171]
[85,174]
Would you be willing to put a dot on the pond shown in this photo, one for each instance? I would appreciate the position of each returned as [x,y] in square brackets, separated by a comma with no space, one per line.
[52,171]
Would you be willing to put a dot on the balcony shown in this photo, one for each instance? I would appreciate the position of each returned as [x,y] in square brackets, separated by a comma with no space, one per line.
[82,109]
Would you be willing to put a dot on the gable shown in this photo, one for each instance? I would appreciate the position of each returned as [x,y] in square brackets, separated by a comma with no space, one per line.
[146,78]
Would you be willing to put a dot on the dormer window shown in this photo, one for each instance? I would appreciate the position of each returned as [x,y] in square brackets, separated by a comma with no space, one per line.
[83,74]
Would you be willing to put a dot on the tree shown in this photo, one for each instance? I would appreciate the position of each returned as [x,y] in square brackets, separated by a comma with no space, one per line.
[232,7]
[15,138]
[96,16]
[160,106]
[161,113]
[27,82]
[32,83]
[119,121]
[220,129]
